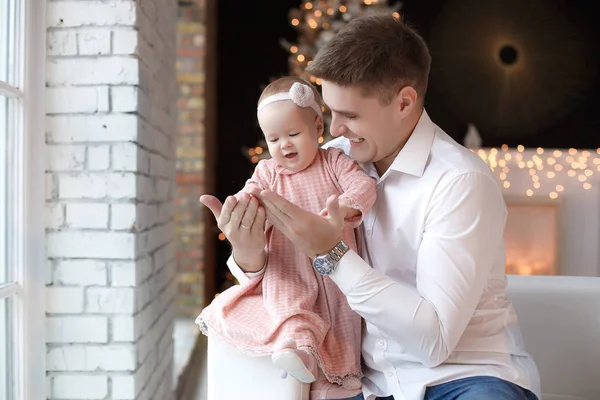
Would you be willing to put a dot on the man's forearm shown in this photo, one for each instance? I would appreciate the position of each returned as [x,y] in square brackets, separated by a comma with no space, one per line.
[395,308]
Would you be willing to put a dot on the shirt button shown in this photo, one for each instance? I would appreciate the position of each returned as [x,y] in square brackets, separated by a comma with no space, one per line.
[381,343]
[390,373]
[369,232]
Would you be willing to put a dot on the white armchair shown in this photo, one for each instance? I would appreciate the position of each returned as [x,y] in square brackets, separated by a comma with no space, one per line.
[560,320]
[559,317]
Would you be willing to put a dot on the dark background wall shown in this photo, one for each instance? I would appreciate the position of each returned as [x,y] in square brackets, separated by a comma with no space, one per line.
[523,71]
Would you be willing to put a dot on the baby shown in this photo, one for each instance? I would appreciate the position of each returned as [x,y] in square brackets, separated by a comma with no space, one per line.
[289,311]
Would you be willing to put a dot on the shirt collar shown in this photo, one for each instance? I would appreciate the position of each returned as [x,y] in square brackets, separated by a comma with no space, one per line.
[413,157]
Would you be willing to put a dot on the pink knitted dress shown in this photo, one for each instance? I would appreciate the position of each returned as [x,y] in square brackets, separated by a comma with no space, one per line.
[291,305]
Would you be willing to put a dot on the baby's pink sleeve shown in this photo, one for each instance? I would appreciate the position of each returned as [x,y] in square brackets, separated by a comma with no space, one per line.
[359,188]
[261,178]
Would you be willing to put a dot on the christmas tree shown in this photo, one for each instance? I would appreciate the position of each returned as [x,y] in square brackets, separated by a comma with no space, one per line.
[317,22]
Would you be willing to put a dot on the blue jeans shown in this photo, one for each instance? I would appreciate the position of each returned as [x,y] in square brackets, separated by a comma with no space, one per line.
[478,388]
[361,397]
[474,388]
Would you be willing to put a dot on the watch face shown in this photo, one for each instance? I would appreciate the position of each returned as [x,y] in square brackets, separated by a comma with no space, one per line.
[323,265]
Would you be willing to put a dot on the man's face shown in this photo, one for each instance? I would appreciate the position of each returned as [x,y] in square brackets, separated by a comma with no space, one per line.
[370,126]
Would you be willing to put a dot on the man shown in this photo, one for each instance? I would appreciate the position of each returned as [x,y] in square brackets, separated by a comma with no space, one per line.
[430,285]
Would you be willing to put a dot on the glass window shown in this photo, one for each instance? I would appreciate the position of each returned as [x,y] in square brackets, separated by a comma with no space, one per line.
[4,273]
[8,42]
[3,39]
[6,387]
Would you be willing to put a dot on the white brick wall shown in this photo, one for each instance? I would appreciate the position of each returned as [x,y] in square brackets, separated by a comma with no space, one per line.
[111,123]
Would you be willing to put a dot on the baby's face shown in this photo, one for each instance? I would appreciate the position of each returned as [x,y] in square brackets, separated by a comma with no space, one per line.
[291,133]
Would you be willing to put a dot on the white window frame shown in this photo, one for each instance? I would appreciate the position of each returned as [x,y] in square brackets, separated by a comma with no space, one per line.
[27,196]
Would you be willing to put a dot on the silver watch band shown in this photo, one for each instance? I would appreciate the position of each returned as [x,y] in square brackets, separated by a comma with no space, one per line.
[338,251]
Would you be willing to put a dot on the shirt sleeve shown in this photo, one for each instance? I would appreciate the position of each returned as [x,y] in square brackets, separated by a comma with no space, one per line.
[462,238]
[244,277]
[359,189]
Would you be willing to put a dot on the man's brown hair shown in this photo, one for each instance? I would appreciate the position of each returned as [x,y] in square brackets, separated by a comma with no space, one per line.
[284,84]
[378,53]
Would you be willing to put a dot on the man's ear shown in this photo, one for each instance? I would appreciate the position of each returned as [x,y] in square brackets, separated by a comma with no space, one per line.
[320,125]
[406,100]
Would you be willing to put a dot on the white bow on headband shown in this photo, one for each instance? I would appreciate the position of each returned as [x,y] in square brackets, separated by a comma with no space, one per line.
[302,95]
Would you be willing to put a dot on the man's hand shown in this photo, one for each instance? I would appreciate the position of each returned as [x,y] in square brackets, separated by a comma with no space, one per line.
[310,233]
[242,220]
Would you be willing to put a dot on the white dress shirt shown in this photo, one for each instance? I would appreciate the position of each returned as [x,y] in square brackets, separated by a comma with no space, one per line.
[431,283]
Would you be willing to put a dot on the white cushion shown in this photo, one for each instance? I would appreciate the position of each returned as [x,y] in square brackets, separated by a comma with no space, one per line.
[233,376]
[560,320]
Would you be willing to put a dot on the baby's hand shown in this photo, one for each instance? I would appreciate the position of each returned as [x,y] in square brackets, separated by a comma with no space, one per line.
[347,210]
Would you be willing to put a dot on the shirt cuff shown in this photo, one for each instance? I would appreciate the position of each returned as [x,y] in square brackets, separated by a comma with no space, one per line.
[244,277]
[350,270]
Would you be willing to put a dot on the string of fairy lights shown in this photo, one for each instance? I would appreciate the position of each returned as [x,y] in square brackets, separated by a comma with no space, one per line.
[550,171]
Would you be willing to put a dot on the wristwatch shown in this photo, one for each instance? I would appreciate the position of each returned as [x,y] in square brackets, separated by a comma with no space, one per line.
[326,263]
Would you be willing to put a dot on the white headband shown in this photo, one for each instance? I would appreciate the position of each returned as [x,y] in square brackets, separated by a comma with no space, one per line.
[302,95]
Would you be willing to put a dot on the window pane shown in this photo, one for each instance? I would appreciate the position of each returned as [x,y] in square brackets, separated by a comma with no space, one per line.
[7,40]
[4,168]
[6,365]
[3,38]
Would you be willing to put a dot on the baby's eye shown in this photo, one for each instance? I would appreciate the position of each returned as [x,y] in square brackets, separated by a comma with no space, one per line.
[272,140]
[294,134]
